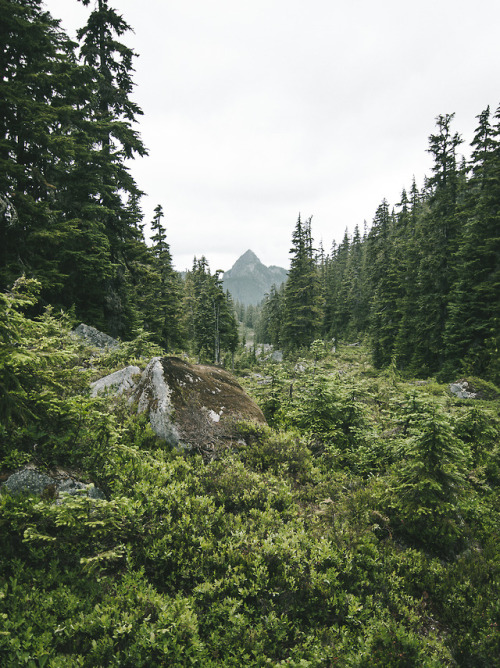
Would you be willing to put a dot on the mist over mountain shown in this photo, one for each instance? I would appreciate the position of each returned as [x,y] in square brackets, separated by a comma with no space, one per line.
[249,279]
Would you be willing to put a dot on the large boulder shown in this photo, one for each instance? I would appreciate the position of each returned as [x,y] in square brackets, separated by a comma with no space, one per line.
[195,406]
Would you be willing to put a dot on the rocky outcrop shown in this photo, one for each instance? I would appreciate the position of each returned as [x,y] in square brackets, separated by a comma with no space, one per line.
[117,383]
[195,406]
[94,337]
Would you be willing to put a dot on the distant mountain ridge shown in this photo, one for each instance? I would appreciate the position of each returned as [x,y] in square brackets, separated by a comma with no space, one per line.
[249,280]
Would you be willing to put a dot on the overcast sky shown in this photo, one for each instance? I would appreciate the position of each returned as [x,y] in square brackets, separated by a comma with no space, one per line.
[256,110]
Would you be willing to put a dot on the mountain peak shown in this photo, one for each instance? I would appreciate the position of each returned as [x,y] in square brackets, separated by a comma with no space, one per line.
[249,280]
[247,261]
[249,255]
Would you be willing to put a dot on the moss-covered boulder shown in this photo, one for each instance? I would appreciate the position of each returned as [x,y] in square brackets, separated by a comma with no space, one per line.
[196,406]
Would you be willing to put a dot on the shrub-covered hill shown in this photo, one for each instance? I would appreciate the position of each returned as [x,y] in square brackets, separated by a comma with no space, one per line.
[359,529]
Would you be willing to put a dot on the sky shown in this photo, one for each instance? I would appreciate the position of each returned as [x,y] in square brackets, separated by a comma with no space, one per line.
[256,111]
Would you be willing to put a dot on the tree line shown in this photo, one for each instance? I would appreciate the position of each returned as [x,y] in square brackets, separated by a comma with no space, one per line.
[70,213]
[423,283]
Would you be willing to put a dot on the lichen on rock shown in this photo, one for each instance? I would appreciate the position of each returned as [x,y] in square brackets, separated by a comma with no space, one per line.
[154,396]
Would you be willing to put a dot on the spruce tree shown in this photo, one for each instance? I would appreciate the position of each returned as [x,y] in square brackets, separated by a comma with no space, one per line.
[212,322]
[270,323]
[408,220]
[383,252]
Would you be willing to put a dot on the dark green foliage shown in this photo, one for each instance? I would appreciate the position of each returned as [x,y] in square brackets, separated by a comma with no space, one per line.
[473,328]
[160,290]
[289,549]
[430,481]
[210,317]
[423,283]
[360,528]
[269,327]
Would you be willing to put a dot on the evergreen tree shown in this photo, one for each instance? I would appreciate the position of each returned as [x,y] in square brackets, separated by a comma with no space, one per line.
[161,290]
[473,326]
[63,175]
[41,84]
[356,279]
[270,323]
[383,251]
[408,219]
[336,310]
[111,114]
[303,307]
[212,321]
[437,236]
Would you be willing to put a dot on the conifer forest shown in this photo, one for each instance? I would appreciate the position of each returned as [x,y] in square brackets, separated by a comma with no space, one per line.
[359,525]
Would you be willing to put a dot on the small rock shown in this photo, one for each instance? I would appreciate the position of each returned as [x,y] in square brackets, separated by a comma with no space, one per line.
[94,337]
[31,481]
[117,382]
[463,390]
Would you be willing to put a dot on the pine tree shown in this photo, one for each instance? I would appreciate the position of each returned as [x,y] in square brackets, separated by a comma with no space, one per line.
[408,220]
[383,251]
[336,312]
[270,323]
[212,322]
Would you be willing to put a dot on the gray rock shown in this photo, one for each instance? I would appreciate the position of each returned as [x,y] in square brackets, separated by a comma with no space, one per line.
[94,337]
[463,390]
[30,481]
[277,356]
[118,382]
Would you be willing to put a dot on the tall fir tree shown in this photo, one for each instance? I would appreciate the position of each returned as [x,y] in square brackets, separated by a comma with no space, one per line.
[41,83]
[212,322]
[473,327]
[437,236]
[111,114]
[303,312]
[270,323]
[161,290]
[384,274]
